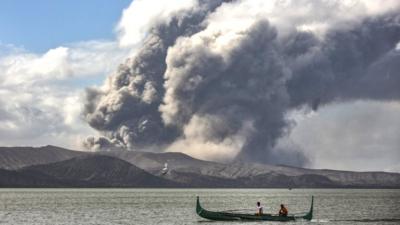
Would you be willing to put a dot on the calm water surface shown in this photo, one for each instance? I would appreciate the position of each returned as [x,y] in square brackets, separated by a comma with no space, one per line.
[177,206]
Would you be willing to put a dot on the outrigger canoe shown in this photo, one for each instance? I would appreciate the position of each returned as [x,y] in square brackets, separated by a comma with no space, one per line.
[229,216]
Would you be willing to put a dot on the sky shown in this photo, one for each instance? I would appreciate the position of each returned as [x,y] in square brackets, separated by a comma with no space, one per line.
[25,23]
[50,52]
[247,80]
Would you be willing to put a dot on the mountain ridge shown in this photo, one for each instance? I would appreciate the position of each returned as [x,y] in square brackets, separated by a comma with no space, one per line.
[184,170]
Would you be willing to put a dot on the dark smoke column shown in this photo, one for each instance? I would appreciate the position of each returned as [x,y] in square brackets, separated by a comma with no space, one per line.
[126,112]
[217,81]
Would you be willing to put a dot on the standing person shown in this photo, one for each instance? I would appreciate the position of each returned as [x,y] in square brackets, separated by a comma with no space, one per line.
[259,209]
[283,211]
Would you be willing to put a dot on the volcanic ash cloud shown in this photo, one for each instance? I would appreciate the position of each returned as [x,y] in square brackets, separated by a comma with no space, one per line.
[217,79]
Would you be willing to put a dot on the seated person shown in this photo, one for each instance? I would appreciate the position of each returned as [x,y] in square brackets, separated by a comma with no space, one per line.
[283,211]
[259,209]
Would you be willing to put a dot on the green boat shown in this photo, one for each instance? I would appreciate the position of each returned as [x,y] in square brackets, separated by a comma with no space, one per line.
[231,216]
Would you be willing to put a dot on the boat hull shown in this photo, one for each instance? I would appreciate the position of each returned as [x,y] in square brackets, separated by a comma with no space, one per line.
[225,216]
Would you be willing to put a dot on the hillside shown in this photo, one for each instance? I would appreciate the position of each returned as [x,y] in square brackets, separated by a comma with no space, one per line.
[53,166]
[186,169]
[99,171]
[17,157]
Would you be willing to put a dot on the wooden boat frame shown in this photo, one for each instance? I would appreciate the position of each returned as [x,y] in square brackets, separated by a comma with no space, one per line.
[228,216]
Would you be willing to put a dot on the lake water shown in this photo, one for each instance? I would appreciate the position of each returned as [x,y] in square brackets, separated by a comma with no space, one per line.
[177,206]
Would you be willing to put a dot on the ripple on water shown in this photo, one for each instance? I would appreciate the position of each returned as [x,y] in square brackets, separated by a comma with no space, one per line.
[176,206]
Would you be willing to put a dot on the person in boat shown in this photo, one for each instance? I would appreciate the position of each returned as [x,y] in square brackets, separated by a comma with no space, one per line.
[259,209]
[283,211]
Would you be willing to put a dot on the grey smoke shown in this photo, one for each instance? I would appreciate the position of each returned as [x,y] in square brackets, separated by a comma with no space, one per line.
[347,64]
[239,96]
[127,114]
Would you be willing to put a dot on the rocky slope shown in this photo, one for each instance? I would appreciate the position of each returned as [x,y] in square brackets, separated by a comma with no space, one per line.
[184,168]
[18,157]
[99,171]
[60,167]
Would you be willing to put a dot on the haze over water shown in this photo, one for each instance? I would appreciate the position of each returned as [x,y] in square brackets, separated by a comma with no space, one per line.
[177,206]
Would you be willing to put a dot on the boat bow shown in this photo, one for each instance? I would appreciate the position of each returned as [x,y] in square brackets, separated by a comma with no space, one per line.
[309,215]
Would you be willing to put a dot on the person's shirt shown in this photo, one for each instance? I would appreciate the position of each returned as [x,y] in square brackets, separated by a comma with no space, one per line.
[260,209]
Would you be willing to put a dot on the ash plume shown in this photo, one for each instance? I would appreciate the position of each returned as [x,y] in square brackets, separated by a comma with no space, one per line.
[217,80]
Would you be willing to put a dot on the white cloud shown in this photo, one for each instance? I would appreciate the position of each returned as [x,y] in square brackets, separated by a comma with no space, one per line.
[141,15]
[81,60]
[316,16]
[41,95]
